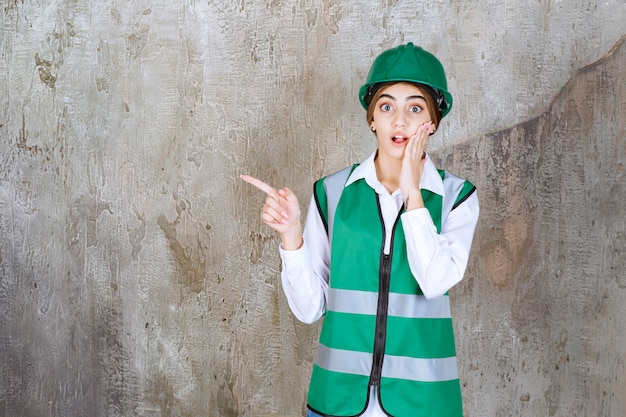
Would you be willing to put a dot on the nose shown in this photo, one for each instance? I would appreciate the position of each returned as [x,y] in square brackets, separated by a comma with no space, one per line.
[399,120]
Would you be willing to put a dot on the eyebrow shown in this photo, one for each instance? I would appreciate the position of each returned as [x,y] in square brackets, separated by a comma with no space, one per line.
[408,98]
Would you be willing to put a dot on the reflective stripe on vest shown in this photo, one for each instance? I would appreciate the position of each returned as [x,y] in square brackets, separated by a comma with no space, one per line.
[400,305]
[402,367]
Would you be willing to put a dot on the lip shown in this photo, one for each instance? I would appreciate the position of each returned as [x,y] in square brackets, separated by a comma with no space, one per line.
[399,139]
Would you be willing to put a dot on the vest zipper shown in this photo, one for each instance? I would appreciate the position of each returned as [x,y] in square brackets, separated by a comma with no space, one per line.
[384,276]
[381,319]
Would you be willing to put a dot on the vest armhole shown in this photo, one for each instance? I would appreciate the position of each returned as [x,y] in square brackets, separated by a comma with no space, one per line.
[467,190]
[319,193]
[327,192]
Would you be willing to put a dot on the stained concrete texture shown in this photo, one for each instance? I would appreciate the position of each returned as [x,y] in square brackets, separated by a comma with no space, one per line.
[136,278]
[542,308]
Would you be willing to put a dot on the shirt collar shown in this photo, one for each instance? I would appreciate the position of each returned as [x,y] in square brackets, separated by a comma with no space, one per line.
[431,180]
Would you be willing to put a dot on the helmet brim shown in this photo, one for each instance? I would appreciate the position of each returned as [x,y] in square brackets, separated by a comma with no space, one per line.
[366,94]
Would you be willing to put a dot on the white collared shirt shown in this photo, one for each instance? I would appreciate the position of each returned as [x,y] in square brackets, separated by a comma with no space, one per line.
[437,261]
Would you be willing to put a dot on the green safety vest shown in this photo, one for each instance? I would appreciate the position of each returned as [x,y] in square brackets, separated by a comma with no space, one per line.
[379,329]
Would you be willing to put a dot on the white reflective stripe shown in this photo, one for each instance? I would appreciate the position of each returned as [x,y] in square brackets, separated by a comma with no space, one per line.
[344,361]
[352,301]
[417,306]
[400,305]
[425,370]
[399,367]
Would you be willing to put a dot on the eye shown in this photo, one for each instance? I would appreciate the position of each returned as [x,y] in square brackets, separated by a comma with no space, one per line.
[385,107]
[415,109]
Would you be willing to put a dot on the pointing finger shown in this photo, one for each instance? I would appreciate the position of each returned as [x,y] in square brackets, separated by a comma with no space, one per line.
[267,189]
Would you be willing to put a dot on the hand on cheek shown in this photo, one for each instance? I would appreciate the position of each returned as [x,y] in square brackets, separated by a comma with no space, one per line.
[413,162]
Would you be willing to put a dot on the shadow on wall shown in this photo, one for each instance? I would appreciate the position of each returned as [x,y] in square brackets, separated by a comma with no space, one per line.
[548,253]
[551,187]
[542,178]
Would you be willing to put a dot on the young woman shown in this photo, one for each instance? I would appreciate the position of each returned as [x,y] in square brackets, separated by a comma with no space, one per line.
[384,241]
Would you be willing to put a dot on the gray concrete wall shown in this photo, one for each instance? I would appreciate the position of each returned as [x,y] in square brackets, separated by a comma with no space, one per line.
[136,278]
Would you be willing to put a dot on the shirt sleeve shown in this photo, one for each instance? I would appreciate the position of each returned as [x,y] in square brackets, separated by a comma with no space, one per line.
[305,271]
[438,261]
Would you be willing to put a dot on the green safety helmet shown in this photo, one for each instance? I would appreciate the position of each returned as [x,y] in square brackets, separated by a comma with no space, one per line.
[412,64]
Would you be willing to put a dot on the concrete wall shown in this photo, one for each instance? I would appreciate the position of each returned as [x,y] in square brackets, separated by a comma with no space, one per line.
[136,278]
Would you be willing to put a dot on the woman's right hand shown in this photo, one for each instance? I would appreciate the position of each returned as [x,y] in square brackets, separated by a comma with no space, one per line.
[281,212]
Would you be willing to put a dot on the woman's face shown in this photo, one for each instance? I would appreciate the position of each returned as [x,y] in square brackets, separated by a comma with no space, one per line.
[399,111]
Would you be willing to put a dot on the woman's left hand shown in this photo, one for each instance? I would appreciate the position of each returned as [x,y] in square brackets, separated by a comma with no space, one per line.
[413,166]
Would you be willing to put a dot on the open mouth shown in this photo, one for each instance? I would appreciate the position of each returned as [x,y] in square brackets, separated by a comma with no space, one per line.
[399,139]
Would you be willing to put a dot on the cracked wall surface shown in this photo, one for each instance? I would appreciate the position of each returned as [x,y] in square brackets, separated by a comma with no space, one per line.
[136,278]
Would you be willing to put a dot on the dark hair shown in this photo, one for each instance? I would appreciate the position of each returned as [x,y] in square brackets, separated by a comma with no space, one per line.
[376,90]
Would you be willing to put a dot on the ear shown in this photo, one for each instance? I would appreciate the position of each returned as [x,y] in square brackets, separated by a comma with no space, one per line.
[372,127]
[433,129]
